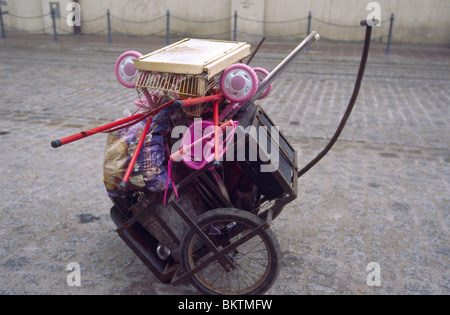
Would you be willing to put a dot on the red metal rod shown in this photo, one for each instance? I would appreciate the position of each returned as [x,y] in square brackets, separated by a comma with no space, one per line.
[109,126]
[106,127]
[199,100]
[93,131]
[126,125]
[130,167]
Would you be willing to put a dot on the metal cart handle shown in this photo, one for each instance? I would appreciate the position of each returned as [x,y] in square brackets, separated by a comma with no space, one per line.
[352,101]
[280,68]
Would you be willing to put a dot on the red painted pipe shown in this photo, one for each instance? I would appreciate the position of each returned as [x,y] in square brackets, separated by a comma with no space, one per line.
[109,126]
[200,100]
[93,131]
[130,167]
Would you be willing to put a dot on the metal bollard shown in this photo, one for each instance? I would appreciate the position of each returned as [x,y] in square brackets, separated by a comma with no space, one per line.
[168,27]
[308,31]
[108,19]
[388,48]
[1,23]
[235,25]
[55,36]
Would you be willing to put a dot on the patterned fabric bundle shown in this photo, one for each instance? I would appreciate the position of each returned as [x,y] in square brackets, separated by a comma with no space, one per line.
[149,171]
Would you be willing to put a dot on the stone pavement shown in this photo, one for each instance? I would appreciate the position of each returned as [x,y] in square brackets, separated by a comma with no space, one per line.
[381,195]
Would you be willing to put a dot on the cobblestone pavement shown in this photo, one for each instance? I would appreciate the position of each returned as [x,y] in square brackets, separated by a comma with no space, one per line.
[381,195]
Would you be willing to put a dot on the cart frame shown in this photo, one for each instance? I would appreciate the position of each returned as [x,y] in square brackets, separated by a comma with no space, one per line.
[285,180]
[137,237]
[176,275]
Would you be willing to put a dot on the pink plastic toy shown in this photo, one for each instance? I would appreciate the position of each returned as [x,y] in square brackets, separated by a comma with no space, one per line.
[262,73]
[238,83]
[197,145]
[124,69]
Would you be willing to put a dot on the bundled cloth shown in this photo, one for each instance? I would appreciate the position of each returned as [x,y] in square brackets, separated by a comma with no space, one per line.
[149,172]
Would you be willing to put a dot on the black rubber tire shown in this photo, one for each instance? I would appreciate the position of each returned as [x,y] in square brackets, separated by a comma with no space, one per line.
[267,250]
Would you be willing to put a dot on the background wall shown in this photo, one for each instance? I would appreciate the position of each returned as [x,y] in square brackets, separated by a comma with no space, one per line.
[416,21]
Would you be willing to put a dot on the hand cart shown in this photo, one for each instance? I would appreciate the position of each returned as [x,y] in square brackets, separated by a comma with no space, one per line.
[214,229]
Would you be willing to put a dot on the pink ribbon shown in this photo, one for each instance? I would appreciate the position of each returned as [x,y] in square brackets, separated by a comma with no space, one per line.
[169,177]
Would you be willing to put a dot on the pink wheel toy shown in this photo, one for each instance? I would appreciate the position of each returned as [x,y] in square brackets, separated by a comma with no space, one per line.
[199,145]
[262,73]
[238,83]
[125,71]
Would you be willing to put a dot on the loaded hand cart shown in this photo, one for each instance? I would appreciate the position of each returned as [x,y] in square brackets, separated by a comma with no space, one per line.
[203,217]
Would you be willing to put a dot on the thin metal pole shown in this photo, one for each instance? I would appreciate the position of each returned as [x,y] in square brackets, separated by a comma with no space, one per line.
[388,48]
[309,22]
[255,51]
[77,28]
[108,19]
[168,27]
[281,67]
[1,23]
[235,25]
[55,36]
[308,31]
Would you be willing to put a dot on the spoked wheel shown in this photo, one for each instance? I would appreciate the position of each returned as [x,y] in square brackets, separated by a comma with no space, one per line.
[256,260]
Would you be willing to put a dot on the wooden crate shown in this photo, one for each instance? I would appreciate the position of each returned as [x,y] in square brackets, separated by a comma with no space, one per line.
[188,68]
[194,56]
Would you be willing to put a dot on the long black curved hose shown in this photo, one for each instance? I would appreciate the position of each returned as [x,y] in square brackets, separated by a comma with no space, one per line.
[351,103]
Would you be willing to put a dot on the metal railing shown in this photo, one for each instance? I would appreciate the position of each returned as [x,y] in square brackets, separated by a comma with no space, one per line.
[161,26]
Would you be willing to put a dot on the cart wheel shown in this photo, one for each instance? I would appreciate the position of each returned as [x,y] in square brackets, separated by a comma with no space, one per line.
[238,83]
[124,69]
[256,260]
[262,73]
